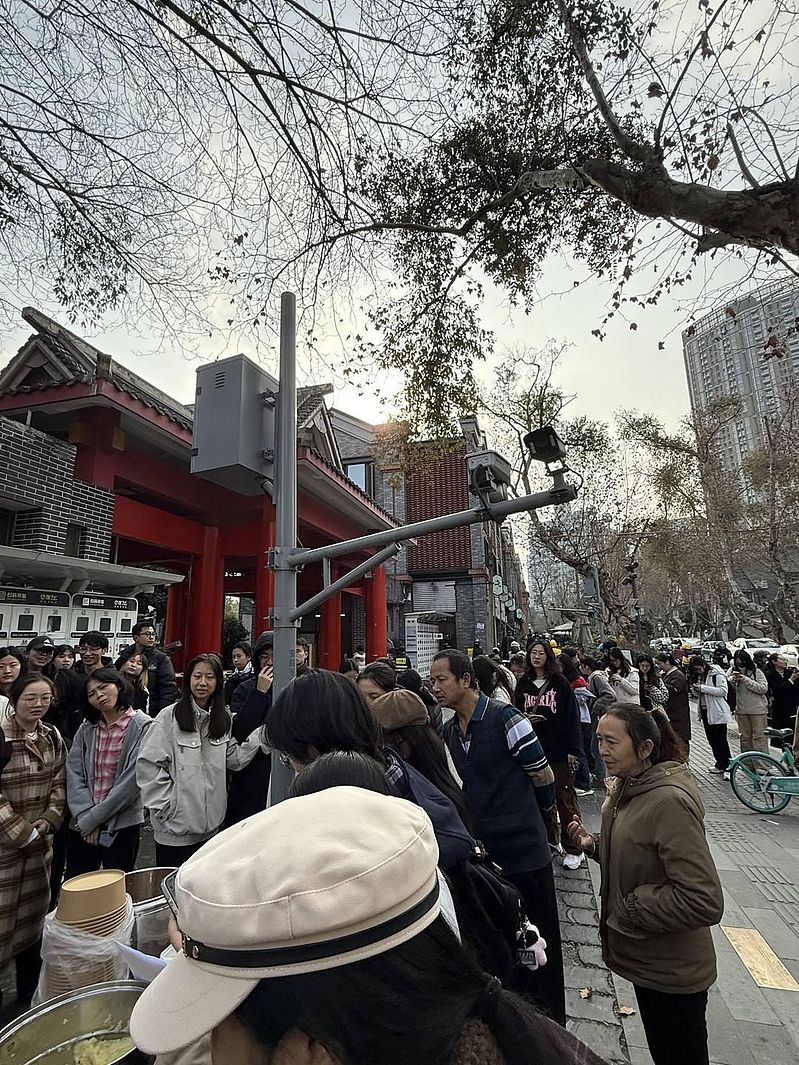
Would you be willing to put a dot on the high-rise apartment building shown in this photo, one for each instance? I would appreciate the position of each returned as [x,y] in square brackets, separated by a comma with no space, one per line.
[727,353]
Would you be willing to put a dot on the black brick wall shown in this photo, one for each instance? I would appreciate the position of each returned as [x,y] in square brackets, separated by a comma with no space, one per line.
[37,475]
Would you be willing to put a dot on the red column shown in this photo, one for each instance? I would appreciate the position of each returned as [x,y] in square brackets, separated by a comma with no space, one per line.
[376,615]
[175,627]
[330,633]
[264,578]
[207,598]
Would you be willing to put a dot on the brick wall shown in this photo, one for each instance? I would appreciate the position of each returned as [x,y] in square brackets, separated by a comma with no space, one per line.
[36,474]
[435,485]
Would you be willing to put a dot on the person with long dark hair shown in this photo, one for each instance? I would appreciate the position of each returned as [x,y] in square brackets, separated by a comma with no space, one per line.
[652,691]
[184,760]
[491,680]
[546,697]
[321,711]
[751,701]
[623,677]
[407,730]
[32,800]
[135,667]
[376,679]
[12,665]
[660,890]
[102,793]
[312,882]
[677,706]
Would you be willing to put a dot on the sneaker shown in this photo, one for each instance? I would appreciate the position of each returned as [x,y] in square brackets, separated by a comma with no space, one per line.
[715,769]
[573,861]
[583,791]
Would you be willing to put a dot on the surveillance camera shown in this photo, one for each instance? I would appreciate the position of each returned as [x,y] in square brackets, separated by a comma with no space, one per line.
[489,475]
[545,445]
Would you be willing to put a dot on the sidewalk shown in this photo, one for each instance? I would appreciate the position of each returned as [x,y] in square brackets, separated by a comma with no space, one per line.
[757,857]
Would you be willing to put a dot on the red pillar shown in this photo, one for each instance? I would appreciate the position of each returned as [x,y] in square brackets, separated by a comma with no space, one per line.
[177,603]
[264,578]
[330,634]
[376,615]
[207,598]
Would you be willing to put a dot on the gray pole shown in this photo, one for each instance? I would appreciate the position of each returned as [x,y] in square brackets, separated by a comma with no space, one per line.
[285,652]
[601,603]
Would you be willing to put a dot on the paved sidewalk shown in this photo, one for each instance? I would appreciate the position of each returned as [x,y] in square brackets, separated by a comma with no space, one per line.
[757,857]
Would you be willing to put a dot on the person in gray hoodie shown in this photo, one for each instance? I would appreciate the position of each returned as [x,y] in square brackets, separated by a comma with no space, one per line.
[102,792]
[184,760]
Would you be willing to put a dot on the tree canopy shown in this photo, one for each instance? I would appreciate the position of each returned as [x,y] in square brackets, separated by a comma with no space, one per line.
[190,160]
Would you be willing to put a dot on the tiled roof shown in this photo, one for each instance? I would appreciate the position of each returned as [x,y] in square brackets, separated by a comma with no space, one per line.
[76,360]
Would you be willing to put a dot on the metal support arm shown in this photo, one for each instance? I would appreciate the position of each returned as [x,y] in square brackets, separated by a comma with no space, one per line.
[343,582]
[561,493]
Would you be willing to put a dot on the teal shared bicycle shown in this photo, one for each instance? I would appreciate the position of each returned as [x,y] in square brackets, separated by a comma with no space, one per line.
[763,782]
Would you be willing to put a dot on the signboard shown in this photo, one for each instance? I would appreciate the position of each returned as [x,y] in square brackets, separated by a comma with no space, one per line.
[90,601]
[33,597]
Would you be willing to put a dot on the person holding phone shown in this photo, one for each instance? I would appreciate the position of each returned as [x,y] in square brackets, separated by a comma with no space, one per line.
[751,701]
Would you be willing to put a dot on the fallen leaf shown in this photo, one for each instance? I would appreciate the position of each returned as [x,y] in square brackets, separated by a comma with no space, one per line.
[626,1011]
[586,992]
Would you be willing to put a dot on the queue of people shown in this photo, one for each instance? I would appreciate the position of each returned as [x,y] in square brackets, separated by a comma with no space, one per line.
[491,763]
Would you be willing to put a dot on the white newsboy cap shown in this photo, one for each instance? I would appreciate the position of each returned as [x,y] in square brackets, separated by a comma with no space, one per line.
[313,883]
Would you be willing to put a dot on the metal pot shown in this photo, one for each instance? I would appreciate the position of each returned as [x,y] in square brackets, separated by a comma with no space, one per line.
[48,1033]
[150,909]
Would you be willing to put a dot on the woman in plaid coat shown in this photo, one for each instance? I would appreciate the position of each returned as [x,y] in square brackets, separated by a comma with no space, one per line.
[32,800]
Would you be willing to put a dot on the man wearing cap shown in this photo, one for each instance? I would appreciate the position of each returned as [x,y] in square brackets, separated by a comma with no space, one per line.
[510,789]
[39,653]
[352,917]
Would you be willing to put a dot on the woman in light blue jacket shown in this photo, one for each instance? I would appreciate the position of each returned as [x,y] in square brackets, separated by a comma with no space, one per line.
[184,761]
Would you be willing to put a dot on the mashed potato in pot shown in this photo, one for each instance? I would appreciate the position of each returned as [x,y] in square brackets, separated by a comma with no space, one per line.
[101,1051]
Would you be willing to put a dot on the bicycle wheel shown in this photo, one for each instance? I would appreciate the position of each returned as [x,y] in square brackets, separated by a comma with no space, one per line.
[749,775]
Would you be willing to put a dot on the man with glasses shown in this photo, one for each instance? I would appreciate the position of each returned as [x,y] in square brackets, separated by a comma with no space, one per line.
[161,682]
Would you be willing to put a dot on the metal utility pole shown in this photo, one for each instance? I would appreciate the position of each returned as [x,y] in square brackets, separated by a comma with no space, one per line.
[285,626]
[489,475]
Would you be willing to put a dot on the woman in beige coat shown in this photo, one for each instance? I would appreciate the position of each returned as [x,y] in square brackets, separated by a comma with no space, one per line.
[751,701]
[660,889]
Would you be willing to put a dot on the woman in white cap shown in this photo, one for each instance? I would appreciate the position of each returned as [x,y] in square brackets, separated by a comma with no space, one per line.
[333,952]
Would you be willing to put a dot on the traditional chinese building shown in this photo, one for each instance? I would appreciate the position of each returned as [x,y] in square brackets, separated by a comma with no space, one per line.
[96,495]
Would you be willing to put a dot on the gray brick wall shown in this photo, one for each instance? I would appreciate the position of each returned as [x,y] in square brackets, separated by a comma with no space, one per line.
[36,475]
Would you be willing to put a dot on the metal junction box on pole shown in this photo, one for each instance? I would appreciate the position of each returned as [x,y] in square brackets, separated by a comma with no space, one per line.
[234,424]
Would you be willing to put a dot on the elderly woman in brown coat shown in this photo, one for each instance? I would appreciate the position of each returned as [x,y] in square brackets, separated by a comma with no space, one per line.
[660,889]
[32,801]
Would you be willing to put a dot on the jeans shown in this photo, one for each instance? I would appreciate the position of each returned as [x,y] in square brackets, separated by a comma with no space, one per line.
[583,777]
[85,857]
[675,1025]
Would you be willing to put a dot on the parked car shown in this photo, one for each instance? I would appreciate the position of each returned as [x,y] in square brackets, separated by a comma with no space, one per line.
[752,644]
[790,651]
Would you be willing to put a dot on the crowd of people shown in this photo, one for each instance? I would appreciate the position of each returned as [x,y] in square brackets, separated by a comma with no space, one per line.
[494,756]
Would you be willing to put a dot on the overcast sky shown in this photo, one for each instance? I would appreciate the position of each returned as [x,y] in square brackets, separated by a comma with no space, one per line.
[625,370]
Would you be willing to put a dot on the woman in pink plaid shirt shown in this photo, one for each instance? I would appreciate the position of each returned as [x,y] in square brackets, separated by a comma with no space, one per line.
[102,792]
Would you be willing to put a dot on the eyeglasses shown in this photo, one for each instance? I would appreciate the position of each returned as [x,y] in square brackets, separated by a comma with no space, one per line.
[35,700]
[148,633]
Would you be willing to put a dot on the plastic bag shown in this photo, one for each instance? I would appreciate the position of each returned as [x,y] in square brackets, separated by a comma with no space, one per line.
[72,958]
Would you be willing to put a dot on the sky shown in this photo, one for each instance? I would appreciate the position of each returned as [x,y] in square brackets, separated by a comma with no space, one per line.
[625,370]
